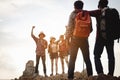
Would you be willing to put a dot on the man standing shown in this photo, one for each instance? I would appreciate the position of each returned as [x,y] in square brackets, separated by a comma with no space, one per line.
[104,37]
[41,45]
[76,43]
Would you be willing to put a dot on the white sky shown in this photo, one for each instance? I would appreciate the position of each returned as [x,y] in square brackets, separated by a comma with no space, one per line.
[50,16]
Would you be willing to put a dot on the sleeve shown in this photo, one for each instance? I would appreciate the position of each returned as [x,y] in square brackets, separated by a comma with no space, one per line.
[95,13]
[49,48]
[71,24]
[34,38]
[45,46]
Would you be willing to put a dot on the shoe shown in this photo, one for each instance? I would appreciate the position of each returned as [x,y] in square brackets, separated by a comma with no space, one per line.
[101,74]
[63,72]
[56,73]
[35,74]
[110,74]
[70,79]
[46,75]
[51,74]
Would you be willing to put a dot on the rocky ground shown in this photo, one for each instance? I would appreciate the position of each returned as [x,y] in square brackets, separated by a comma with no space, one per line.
[78,76]
[28,74]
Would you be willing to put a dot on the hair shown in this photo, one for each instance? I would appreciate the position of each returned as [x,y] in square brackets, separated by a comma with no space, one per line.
[78,4]
[61,36]
[52,38]
[103,3]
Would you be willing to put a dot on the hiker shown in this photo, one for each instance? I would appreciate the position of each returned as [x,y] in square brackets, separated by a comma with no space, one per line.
[78,41]
[53,52]
[104,38]
[41,45]
[63,51]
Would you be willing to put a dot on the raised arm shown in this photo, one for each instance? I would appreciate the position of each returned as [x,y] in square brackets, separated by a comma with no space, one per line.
[32,35]
[32,31]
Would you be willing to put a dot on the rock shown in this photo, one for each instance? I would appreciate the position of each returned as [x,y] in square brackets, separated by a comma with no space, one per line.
[26,78]
[92,78]
[29,68]
[28,74]
[103,77]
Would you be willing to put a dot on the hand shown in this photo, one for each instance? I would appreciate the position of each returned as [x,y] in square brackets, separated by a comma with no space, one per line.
[33,27]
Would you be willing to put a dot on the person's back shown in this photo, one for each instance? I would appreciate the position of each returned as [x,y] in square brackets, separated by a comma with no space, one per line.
[82,24]
[103,39]
[77,42]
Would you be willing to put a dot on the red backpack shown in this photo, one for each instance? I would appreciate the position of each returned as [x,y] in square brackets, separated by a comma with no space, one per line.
[82,24]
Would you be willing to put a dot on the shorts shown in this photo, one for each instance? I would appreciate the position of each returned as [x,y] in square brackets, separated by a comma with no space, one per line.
[63,54]
[53,55]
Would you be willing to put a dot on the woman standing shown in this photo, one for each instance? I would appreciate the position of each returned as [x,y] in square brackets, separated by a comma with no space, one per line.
[53,51]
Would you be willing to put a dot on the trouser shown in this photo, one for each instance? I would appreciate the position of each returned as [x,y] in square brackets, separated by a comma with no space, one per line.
[37,63]
[77,43]
[99,46]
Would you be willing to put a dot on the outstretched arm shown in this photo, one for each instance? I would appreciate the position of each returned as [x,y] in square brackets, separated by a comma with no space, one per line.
[95,13]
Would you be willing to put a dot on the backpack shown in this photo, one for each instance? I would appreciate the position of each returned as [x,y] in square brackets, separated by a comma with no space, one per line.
[82,24]
[113,20]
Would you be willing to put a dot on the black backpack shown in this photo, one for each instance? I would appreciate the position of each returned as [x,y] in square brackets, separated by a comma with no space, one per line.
[113,22]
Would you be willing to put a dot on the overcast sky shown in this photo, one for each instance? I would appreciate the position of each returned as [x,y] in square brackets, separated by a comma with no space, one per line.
[50,16]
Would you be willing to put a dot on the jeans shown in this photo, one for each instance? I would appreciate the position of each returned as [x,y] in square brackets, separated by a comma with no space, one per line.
[37,63]
[77,43]
[99,46]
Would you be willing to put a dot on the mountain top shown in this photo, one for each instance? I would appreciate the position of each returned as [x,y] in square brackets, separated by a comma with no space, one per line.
[28,74]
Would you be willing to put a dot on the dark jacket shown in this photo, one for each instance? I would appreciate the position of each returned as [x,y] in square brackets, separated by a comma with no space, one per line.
[108,23]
